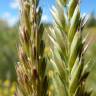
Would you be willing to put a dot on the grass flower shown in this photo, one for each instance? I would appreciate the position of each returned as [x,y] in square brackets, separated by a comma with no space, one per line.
[31,68]
[69,49]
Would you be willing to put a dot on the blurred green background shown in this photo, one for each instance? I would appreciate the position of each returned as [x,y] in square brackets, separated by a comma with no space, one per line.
[8,51]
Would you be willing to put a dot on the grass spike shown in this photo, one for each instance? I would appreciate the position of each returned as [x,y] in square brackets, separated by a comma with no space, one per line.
[73,47]
[31,69]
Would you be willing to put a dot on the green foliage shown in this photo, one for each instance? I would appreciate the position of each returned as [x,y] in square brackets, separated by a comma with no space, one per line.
[92,21]
[8,40]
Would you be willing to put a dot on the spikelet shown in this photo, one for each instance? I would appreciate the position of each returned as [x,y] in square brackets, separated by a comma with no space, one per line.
[68,51]
[31,68]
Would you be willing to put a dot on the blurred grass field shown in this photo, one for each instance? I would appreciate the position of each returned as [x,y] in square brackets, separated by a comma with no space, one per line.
[91,56]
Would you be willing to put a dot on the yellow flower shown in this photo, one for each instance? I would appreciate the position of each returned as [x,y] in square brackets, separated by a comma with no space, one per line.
[7,83]
[13,89]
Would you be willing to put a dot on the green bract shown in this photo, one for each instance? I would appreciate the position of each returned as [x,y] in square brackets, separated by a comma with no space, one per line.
[68,51]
